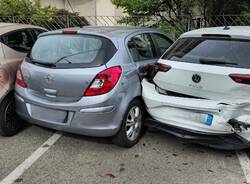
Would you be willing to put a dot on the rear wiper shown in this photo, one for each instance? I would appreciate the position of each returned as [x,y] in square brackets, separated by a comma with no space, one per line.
[35,61]
[68,61]
[214,62]
[63,58]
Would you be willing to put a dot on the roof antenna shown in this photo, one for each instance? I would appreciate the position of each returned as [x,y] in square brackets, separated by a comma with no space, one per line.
[225,23]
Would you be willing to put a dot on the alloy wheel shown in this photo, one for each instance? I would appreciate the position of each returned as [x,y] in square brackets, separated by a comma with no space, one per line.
[133,123]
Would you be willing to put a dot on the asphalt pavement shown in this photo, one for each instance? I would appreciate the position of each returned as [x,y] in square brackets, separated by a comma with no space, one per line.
[72,159]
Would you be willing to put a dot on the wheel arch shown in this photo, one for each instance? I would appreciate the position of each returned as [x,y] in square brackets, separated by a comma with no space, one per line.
[140,99]
[7,93]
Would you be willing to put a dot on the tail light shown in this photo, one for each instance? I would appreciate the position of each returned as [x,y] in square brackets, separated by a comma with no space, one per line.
[162,67]
[19,78]
[241,78]
[69,31]
[149,71]
[104,82]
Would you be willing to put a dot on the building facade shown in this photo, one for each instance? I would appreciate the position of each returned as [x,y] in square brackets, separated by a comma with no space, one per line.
[86,7]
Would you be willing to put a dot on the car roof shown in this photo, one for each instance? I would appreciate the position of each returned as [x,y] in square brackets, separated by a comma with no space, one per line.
[119,31]
[8,27]
[108,31]
[240,32]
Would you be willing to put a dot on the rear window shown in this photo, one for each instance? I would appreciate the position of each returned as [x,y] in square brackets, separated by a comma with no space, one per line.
[214,51]
[73,50]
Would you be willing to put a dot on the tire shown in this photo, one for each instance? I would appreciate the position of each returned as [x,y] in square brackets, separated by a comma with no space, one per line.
[10,124]
[130,131]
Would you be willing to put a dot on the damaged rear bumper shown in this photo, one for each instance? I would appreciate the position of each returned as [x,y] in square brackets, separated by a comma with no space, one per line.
[192,114]
[222,141]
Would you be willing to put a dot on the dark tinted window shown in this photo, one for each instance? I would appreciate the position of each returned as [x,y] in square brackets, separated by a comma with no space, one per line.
[37,32]
[80,50]
[19,40]
[211,50]
[141,47]
[162,42]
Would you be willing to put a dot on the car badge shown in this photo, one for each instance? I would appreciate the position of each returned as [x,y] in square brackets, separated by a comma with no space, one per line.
[49,78]
[196,78]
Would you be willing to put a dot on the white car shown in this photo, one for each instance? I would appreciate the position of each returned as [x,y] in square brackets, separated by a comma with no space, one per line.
[200,89]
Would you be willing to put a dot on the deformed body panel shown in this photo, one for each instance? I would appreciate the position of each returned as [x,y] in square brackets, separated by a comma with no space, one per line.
[200,115]
[202,84]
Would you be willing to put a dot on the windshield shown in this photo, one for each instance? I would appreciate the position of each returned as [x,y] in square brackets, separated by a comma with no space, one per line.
[82,50]
[213,51]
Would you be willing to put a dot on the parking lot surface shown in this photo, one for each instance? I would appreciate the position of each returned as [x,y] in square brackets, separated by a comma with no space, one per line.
[158,159]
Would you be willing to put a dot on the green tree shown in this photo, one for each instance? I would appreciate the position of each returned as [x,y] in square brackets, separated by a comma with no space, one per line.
[40,12]
[219,7]
[25,11]
[171,15]
[25,8]
[221,12]
[15,7]
[175,15]
[174,9]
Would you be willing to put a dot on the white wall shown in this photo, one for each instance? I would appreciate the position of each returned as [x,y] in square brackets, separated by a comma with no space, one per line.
[104,8]
[56,3]
[90,9]
[86,7]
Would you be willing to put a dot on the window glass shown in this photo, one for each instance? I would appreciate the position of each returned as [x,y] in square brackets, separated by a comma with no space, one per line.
[37,32]
[141,48]
[163,42]
[73,49]
[221,52]
[20,41]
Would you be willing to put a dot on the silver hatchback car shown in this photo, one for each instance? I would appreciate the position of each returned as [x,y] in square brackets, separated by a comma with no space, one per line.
[86,80]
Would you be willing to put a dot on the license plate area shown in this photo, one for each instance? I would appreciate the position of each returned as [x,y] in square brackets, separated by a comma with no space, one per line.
[47,114]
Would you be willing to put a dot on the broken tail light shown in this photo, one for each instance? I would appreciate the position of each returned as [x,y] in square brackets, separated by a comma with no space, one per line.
[162,67]
[149,71]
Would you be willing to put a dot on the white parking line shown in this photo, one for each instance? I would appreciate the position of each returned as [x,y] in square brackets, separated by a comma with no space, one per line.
[245,164]
[31,159]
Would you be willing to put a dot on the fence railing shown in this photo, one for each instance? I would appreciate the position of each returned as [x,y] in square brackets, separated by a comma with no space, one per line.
[220,20]
[57,22]
[173,26]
